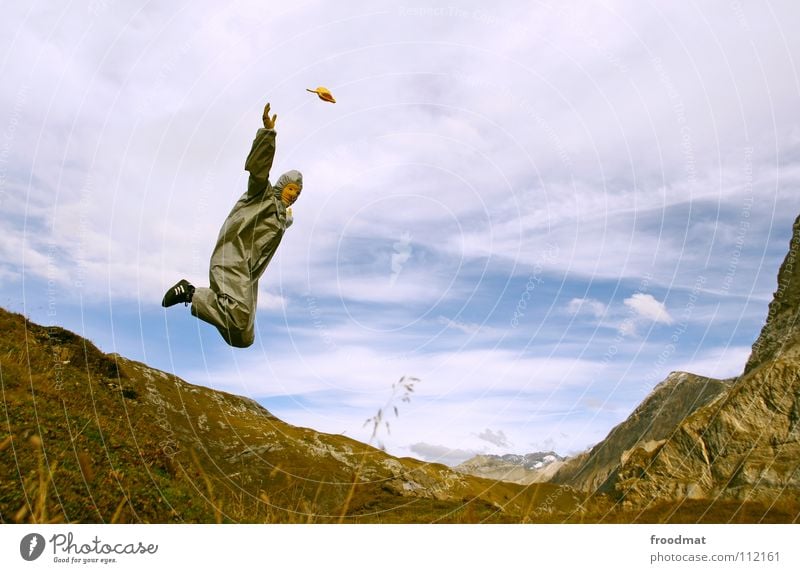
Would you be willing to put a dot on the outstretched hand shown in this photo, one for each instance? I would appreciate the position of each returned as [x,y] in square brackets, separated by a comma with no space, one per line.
[269,123]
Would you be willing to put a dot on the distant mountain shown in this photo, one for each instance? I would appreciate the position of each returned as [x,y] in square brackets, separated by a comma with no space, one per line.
[523,469]
[90,437]
[697,440]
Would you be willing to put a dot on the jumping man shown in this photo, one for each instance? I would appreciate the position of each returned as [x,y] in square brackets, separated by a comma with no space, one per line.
[247,242]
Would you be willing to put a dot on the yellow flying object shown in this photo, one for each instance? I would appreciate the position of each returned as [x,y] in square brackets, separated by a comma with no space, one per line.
[323,93]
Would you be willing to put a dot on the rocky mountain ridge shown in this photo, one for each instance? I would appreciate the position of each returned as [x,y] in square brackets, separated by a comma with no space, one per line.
[529,468]
[668,404]
[696,438]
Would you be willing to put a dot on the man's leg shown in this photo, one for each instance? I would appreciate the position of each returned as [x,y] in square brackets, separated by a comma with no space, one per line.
[234,319]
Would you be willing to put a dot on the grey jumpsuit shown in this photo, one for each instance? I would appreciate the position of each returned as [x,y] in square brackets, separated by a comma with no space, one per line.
[246,244]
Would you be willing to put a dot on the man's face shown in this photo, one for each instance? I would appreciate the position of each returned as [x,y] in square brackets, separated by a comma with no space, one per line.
[290,193]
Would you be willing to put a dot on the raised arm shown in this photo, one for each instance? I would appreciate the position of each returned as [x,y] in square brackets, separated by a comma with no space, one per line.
[259,161]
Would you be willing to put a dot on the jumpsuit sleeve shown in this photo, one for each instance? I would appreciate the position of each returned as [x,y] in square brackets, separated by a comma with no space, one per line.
[259,161]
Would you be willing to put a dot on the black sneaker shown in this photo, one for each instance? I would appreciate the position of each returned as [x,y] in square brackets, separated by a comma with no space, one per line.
[182,291]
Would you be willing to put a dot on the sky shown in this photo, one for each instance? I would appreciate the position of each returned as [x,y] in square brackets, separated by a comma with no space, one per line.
[531,212]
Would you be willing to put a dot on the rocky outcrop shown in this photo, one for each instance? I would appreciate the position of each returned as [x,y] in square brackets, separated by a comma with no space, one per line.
[780,333]
[745,444]
[650,424]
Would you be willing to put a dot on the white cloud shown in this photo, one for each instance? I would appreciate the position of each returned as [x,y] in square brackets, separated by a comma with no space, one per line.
[441,454]
[586,305]
[647,307]
[311,368]
[270,301]
[7,276]
[497,438]
[466,328]
[720,362]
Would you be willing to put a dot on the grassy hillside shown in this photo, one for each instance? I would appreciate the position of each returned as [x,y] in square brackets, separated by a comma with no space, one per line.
[89,437]
[93,438]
